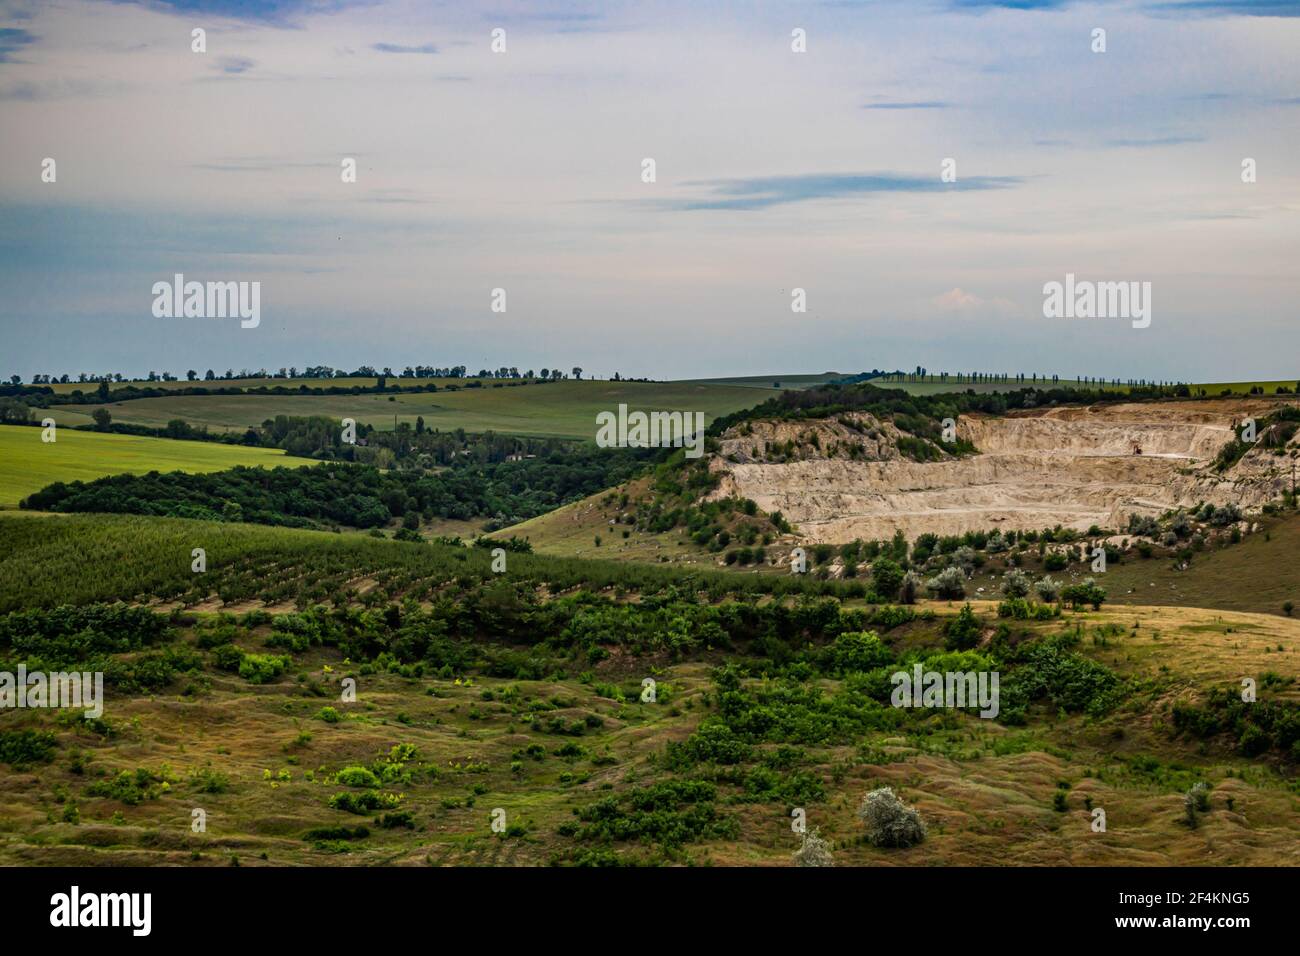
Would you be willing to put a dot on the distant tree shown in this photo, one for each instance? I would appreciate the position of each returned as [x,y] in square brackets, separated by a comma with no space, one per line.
[15,379]
[577,373]
[546,373]
[209,375]
[191,375]
[102,418]
[13,411]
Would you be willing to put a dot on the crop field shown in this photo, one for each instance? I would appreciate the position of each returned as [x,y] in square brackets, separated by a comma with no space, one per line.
[565,409]
[148,559]
[28,464]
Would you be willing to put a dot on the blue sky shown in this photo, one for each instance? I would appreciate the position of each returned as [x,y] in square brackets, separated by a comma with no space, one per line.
[774,170]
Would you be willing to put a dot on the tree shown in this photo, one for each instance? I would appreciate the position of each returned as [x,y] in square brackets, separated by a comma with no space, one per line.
[886,576]
[577,373]
[1087,592]
[102,418]
[191,375]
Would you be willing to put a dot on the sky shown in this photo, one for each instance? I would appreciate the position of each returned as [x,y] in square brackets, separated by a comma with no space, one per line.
[775,170]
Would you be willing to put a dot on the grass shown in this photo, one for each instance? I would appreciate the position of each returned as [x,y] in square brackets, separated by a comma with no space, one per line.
[28,464]
[986,791]
[1259,574]
[561,409]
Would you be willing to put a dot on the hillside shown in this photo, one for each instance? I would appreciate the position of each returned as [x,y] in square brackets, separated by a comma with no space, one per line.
[481,695]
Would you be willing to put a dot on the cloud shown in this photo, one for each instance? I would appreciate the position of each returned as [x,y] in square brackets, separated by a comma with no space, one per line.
[1009,4]
[917,105]
[1230,8]
[425,48]
[274,12]
[958,301]
[1156,141]
[13,39]
[765,191]
[235,65]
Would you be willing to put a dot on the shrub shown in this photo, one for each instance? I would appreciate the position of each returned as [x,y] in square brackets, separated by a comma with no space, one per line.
[262,668]
[859,651]
[1015,584]
[948,583]
[889,821]
[814,852]
[356,777]
[963,632]
[1048,589]
[21,747]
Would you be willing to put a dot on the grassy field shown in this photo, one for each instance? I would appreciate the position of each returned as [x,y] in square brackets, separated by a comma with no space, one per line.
[264,760]
[1259,574]
[261,763]
[1243,388]
[562,409]
[27,464]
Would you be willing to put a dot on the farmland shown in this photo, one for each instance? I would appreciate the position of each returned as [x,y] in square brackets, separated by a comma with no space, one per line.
[565,409]
[27,464]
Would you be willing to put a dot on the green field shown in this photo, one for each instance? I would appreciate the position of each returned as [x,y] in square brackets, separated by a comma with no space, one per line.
[28,464]
[560,410]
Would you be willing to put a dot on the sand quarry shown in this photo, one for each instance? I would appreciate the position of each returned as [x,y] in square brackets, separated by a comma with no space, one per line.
[1072,466]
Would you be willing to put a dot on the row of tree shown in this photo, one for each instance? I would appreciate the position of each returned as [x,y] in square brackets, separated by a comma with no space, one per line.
[311,371]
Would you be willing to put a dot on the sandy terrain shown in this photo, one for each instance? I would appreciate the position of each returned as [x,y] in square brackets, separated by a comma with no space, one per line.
[1068,466]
